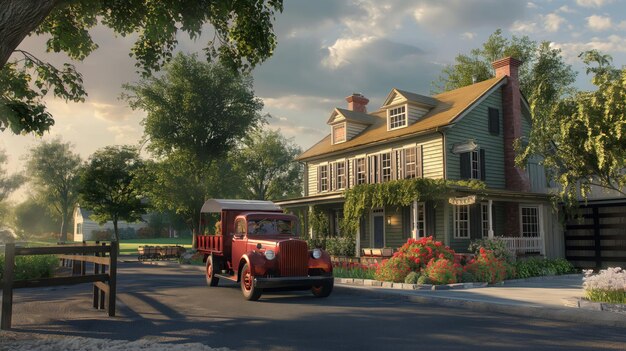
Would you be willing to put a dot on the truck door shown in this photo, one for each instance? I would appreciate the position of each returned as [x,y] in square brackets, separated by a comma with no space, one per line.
[240,241]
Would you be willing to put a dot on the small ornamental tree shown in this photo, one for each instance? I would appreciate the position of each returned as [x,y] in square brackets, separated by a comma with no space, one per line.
[108,187]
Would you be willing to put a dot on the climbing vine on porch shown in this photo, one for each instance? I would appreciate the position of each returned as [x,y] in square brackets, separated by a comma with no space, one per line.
[363,197]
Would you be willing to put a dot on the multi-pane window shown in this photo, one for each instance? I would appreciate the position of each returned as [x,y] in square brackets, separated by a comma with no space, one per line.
[339,133]
[410,159]
[530,222]
[397,117]
[475,164]
[323,178]
[385,160]
[340,172]
[418,219]
[361,177]
[461,222]
[484,215]
[79,228]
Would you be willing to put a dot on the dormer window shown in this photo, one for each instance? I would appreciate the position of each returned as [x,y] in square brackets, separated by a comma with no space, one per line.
[397,117]
[339,133]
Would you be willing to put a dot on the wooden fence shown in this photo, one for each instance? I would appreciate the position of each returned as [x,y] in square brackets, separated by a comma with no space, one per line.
[104,281]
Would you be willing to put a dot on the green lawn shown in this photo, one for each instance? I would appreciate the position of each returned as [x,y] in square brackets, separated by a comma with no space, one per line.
[129,247]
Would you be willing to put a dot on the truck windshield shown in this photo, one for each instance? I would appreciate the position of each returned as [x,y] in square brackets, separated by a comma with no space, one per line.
[271,226]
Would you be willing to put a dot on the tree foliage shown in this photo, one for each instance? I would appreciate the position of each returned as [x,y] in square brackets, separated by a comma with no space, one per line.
[54,170]
[108,185]
[8,184]
[265,163]
[583,138]
[198,108]
[243,37]
[542,69]
[34,218]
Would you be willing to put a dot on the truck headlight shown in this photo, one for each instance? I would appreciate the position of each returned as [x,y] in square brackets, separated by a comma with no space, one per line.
[269,254]
[317,253]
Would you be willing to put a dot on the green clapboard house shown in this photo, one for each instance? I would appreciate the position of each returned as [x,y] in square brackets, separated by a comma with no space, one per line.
[463,134]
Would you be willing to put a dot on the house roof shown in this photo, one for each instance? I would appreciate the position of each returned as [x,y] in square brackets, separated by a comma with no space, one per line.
[450,106]
[412,97]
[352,116]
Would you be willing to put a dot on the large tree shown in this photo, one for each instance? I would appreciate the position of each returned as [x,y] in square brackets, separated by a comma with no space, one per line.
[265,163]
[33,218]
[54,171]
[108,186]
[8,184]
[542,67]
[583,138]
[242,37]
[196,113]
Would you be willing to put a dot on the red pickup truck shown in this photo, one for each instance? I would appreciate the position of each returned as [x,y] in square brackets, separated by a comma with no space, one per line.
[257,245]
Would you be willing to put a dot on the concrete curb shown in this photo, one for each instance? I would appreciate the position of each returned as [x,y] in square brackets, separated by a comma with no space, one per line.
[542,278]
[603,318]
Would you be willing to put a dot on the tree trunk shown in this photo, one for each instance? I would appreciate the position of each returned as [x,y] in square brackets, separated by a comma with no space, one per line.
[64,216]
[117,234]
[18,18]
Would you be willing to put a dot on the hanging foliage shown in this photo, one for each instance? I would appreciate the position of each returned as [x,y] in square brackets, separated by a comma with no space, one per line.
[364,197]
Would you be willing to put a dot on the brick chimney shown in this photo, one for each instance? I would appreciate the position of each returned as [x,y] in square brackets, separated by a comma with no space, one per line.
[515,178]
[357,102]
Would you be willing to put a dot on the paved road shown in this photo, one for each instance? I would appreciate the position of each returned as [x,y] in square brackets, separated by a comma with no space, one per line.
[168,304]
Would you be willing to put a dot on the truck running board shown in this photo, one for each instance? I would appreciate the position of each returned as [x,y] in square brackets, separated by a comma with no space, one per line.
[224,276]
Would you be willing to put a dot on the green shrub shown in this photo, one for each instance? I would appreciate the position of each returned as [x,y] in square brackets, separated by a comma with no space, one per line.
[341,246]
[412,278]
[394,270]
[32,267]
[442,271]
[353,270]
[467,277]
[495,245]
[423,280]
[486,267]
[316,243]
[535,267]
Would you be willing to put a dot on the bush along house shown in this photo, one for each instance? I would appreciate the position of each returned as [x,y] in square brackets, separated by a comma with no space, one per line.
[440,165]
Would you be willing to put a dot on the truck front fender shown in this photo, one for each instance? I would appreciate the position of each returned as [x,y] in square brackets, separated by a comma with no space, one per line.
[323,263]
[256,261]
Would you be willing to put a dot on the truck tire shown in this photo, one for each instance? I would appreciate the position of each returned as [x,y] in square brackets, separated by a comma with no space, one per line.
[323,290]
[250,292]
[211,279]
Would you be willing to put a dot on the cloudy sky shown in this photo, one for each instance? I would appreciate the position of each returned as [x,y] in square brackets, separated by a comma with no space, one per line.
[328,49]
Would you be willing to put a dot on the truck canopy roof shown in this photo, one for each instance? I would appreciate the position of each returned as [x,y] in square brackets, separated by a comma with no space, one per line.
[218,205]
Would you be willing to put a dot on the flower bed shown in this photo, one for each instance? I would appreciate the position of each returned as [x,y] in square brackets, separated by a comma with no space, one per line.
[609,285]
[353,270]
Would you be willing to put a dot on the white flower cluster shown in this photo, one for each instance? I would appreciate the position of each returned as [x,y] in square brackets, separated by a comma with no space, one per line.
[612,278]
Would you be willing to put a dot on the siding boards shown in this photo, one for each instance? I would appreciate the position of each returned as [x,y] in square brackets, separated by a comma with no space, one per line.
[393,232]
[475,125]
[353,129]
[432,157]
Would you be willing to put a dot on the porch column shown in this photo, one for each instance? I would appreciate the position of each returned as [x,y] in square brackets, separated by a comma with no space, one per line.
[358,241]
[490,218]
[307,217]
[414,232]
[542,235]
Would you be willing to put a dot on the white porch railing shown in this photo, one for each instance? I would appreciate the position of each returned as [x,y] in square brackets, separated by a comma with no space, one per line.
[524,245]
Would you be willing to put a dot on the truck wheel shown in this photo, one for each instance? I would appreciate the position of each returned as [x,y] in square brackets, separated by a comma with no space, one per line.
[250,292]
[323,290]
[211,279]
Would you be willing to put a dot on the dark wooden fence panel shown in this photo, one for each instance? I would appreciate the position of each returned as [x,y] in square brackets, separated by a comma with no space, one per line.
[104,283]
[598,238]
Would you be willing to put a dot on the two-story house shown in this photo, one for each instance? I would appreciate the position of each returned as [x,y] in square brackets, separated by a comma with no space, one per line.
[466,133]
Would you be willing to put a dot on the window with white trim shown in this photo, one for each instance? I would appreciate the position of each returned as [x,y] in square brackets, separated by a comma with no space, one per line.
[339,133]
[475,164]
[530,221]
[484,216]
[461,222]
[361,176]
[323,178]
[397,117]
[340,175]
[385,161]
[418,219]
[410,163]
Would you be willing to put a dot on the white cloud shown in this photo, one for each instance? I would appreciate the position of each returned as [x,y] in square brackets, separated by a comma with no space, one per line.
[531,5]
[622,25]
[125,133]
[599,23]
[565,9]
[296,102]
[593,3]
[468,35]
[612,44]
[341,52]
[552,22]
[524,27]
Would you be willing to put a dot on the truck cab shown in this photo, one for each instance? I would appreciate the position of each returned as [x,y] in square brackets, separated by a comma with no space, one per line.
[257,245]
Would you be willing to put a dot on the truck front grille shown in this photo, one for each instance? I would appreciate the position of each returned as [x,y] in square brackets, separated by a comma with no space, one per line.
[293,258]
